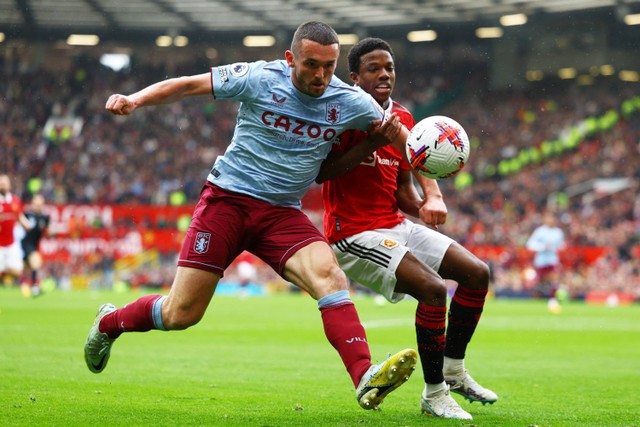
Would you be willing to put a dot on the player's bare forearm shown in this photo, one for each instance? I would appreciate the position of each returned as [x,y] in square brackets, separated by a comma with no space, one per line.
[24,222]
[432,209]
[429,186]
[339,162]
[400,140]
[407,197]
[408,200]
[163,92]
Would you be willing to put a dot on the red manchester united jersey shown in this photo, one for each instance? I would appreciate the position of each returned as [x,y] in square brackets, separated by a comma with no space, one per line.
[364,197]
[10,208]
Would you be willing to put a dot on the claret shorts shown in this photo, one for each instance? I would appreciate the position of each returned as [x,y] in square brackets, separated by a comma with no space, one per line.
[226,223]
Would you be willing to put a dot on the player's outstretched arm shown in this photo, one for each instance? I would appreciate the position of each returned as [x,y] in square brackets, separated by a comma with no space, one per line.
[339,162]
[163,92]
[433,210]
[24,221]
[407,197]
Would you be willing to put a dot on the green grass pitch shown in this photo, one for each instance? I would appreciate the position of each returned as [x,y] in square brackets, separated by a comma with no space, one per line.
[264,361]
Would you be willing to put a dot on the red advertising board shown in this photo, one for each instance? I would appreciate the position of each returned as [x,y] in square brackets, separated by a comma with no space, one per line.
[124,230]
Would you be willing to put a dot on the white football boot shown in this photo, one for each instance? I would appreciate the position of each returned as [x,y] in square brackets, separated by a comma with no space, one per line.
[468,388]
[442,405]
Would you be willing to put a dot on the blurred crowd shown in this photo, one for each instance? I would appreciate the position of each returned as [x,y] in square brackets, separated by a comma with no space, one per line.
[146,157]
[505,210]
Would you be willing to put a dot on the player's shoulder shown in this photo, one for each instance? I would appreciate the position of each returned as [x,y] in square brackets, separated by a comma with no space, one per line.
[337,85]
[397,107]
[403,113]
[242,69]
[277,66]
[275,72]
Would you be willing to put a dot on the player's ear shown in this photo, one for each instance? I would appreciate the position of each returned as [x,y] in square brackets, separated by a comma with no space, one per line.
[289,57]
[354,77]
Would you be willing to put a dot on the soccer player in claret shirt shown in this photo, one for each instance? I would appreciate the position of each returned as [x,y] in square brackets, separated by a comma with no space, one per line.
[380,248]
[10,214]
[39,221]
[291,113]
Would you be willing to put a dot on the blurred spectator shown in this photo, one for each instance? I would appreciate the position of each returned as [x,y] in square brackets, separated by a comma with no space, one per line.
[108,160]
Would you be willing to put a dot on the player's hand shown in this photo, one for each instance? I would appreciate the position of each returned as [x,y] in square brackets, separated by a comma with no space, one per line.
[381,134]
[120,105]
[433,211]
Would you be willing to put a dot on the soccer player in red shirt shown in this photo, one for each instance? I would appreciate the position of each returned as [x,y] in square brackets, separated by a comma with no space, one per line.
[10,213]
[380,248]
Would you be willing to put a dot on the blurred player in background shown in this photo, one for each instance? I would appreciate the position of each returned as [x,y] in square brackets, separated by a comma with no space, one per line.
[39,222]
[380,248]
[246,271]
[291,113]
[546,241]
[10,214]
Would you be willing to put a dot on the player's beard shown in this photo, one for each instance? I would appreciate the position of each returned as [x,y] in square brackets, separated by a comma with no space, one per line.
[308,88]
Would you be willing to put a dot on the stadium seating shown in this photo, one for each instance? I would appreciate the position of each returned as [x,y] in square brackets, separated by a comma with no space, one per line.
[57,138]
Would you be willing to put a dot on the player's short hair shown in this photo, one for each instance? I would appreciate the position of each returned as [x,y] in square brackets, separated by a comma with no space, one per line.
[315,31]
[363,47]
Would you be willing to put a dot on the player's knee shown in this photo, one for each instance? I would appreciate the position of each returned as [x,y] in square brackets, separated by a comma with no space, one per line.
[475,275]
[421,282]
[433,292]
[472,273]
[331,279]
[426,286]
[480,275]
[339,278]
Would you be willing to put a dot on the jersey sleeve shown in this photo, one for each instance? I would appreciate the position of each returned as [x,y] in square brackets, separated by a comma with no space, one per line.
[372,111]
[240,81]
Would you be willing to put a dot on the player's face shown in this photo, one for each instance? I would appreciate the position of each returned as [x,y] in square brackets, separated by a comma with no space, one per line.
[37,203]
[313,66]
[377,75]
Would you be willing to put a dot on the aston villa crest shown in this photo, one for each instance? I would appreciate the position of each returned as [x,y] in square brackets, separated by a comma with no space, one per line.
[333,112]
[201,244]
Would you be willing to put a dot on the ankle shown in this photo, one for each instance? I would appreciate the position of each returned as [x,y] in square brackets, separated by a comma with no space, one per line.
[433,389]
[453,367]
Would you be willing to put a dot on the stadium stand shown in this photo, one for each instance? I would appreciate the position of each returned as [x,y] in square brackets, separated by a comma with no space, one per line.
[57,139]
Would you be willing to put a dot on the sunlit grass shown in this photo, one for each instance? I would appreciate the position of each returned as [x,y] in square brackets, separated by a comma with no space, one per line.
[265,362]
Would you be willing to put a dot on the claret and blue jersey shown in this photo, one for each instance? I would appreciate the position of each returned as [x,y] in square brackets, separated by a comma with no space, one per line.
[282,135]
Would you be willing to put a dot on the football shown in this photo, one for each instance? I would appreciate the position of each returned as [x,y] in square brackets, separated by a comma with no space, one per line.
[438,147]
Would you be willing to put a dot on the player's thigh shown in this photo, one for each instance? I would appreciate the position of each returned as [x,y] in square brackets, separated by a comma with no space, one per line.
[189,297]
[422,282]
[461,265]
[427,245]
[314,268]
[4,254]
[371,258]
[14,264]
[285,239]
[215,234]
[34,260]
